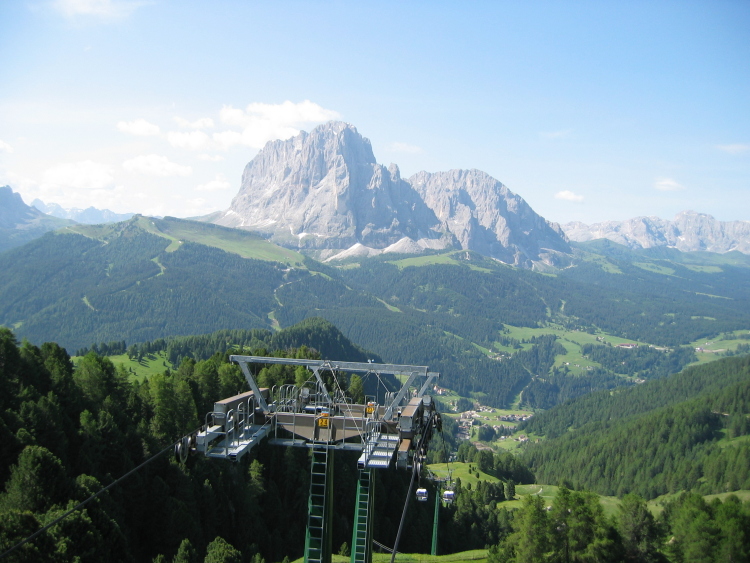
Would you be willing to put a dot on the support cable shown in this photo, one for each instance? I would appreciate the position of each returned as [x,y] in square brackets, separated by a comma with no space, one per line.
[92,497]
[416,470]
[403,514]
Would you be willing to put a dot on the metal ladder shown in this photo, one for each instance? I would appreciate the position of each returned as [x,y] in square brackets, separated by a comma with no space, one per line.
[318,538]
[362,533]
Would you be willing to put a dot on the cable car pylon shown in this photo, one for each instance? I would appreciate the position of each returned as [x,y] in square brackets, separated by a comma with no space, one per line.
[391,434]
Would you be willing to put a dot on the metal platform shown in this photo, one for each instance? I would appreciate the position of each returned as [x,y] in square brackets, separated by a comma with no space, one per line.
[230,445]
[378,451]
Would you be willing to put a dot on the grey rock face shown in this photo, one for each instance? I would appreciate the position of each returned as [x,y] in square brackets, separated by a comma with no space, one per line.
[487,217]
[688,232]
[325,190]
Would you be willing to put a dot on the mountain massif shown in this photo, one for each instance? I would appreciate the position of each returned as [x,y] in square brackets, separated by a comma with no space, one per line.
[688,231]
[325,190]
[20,223]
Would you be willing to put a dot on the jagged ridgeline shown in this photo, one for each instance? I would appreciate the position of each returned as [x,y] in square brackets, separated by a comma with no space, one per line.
[687,431]
[325,190]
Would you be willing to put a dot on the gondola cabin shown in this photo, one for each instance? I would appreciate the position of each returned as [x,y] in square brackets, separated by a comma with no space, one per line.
[449,496]
[422,494]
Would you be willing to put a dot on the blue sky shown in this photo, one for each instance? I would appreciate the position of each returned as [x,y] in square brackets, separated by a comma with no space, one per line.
[590,111]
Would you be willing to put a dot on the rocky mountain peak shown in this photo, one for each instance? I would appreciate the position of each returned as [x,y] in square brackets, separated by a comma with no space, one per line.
[325,190]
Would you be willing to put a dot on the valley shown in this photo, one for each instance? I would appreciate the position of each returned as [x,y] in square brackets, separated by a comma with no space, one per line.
[621,372]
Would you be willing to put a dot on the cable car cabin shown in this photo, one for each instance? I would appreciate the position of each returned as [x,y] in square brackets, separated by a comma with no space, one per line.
[449,496]
[422,494]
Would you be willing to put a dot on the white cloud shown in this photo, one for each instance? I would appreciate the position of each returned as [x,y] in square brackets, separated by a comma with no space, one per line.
[227,139]
[218,184]
[555,134]
[192,140]
[202,123]
[139,127]
[5,147]
[108,9]
[261,123]
[567,195]
[155,165]
[199,206]
[405,148]
[667,185]
[736,148]
[210,157]
[84,175]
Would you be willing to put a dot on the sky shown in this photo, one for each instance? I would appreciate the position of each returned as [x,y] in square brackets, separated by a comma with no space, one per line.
[590,111]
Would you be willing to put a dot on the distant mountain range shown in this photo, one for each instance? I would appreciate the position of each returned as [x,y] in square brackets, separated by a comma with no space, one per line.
[20,223]
[688,232]
[325,190]
[88,216]
[324,193]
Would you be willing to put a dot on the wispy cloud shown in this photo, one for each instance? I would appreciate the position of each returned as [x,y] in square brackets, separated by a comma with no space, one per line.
[139,127]
[667,185]
[736,148]
[210,157]
[103,9]
[259,123]
[199,206]
[155,165]
[191,140]
[202,123]
[405,148]
[555,134]
[5,147]
[567,195]
[218,184]
[85,174]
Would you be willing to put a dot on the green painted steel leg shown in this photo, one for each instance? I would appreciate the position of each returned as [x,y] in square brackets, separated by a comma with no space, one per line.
[362,529]
[329,511]
[318,537]
[435,523]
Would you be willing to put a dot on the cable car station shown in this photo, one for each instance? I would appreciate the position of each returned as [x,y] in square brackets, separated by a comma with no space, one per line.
[391,432]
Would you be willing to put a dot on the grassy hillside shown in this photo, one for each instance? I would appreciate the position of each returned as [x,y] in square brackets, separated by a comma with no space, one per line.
[178,231]
[149,365]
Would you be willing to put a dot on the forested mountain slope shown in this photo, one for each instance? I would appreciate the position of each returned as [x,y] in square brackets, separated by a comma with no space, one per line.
[146,279]
[66,431]
[688,431]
